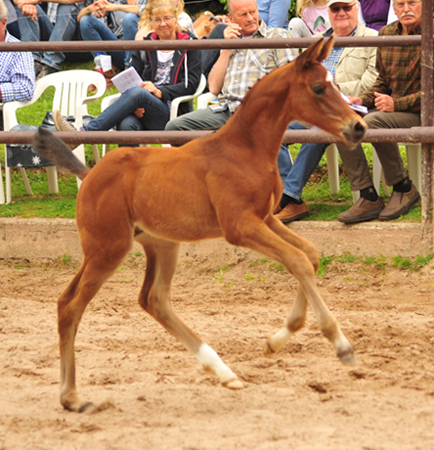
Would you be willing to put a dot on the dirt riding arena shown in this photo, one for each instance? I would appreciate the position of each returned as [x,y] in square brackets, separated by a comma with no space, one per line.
[153,394]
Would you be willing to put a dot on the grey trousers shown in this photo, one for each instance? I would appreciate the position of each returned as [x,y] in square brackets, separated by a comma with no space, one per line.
[201,119]
[354,160]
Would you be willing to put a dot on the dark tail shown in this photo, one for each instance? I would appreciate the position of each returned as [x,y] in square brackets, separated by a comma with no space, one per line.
[49,146]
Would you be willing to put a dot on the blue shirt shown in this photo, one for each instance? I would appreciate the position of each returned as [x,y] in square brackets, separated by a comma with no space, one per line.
[17,74]
[274,12]
[333,58]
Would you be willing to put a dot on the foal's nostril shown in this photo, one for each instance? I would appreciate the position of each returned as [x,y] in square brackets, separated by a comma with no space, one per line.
[359,129]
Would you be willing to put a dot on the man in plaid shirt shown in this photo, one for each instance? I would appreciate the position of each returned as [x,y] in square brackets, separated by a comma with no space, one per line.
[396,97]
[236,71]
[17,80]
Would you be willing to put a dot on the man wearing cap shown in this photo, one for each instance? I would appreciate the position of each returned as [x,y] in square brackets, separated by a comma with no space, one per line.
[353,69]
[395,98]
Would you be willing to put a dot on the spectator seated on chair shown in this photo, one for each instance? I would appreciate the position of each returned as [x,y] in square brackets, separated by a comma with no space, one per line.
[111,21]
[17,77]
[184,21]
[37,25]
[353,70]
[313,18]
[235,65]
[396,96]
[274,12]
[376,14]
[12,25]
[166,74]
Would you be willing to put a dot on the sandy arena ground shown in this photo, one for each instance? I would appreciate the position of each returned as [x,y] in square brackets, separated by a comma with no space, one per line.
[155,396]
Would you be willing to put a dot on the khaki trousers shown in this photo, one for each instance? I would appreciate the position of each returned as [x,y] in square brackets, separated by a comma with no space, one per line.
[354,160]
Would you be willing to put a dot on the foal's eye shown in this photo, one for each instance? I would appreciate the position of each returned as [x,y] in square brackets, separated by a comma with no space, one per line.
[319,90]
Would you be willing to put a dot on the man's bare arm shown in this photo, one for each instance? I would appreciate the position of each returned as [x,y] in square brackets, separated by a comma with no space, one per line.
[216,77]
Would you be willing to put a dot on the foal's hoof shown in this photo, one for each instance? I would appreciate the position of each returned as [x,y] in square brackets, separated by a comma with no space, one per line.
[348,358]
[87,407]
[79,407]
[268,351]
[235,383]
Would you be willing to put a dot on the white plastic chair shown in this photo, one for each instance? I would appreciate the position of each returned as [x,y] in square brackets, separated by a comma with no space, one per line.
[107,101]
[2,190]
[70,98]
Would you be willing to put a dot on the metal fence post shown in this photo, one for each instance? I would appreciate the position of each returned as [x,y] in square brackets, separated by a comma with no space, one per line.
[427,120]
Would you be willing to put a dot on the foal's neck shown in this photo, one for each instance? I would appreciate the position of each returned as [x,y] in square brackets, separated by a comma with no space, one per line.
[263,117]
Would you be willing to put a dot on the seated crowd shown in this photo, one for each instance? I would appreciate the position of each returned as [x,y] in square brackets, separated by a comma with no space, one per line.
[366,75]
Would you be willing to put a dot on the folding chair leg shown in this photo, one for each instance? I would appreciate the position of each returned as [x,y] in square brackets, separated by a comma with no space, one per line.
[414,160]
[378,176]
[105,149]
[26,181]
[356,196]
[96,153]
[80,154]
[333,168]
[2,190]
[53,185]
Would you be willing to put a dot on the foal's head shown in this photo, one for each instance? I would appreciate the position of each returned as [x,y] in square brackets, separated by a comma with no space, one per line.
[315,98]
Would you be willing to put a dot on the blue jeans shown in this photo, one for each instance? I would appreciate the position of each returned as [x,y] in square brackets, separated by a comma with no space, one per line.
[92,29]
[43,30]
[120,113]
[130,25]
[296,175]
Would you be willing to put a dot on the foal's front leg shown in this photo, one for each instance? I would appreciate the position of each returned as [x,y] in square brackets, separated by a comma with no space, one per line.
[293,323]
[253,233]
[294,239]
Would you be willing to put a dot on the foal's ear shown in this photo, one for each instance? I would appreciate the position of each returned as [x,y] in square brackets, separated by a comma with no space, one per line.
[315,53]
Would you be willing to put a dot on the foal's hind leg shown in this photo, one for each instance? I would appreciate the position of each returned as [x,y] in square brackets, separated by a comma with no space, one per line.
[71,305]
[161,257]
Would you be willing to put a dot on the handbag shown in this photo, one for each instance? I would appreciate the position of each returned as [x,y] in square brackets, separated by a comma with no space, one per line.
[23,155]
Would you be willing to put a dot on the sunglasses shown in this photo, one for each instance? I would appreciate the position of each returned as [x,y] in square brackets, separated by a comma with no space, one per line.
[346,8]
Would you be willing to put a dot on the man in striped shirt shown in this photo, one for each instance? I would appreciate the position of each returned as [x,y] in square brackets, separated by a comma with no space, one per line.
[395,98]
[236,71]
[17,78]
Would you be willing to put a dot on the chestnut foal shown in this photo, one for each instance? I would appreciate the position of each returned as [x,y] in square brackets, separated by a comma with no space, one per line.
[224,185]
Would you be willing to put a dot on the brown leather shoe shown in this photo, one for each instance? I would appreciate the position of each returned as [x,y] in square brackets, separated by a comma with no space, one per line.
[400,203]
[362,211]
[277,209]
[292,212]
[62,124]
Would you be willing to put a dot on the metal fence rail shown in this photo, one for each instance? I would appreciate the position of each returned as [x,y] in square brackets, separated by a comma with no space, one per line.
[205,44]
[416,135]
